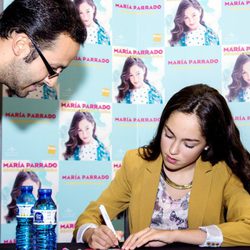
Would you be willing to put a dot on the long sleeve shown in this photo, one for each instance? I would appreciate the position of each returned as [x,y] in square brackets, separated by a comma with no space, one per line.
[236,229]
[218,198]
[115,198]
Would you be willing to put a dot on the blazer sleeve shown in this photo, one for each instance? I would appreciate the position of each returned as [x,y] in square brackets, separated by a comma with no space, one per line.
[115,198]
[236,229]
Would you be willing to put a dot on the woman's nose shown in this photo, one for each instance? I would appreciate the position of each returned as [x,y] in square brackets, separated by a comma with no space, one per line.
[174,148]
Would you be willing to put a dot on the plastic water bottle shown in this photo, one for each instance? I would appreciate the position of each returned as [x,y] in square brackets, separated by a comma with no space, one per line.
[45,212]
[24,228]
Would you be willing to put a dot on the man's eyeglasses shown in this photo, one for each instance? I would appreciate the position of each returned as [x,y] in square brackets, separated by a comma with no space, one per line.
[51,71]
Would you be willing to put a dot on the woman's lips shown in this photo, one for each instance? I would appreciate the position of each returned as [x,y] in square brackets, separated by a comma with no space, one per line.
[171,160]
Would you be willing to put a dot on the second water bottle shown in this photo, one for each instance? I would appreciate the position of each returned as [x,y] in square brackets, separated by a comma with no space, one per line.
[45,212]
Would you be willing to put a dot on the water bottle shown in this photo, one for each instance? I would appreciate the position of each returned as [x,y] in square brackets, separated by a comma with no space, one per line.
[24,216]
[45,213]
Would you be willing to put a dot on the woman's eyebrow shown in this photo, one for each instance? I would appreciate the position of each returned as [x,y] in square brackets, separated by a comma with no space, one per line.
[166,126]
[191,140]
[185,139]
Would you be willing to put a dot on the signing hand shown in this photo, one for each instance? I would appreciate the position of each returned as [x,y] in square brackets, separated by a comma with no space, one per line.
[149,237]
[101,237]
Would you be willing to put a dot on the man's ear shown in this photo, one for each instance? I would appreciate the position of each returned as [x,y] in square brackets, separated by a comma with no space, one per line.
[20,44]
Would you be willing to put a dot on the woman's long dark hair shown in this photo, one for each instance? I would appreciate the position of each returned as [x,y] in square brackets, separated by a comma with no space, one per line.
[125,82]
[180,26]
[74,139]
[15,192]
[238,82]
[217,126]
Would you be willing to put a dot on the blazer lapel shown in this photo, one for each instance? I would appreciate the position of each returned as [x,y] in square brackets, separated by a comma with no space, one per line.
[199,193]
[149,191]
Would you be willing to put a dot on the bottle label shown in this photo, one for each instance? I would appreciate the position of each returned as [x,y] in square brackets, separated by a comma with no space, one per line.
[44,217]
[24,211]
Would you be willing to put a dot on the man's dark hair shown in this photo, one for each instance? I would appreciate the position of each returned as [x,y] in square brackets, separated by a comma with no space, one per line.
[43,21]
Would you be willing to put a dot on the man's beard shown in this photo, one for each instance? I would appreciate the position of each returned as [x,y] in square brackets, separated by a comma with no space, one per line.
[12,92]
[11,77]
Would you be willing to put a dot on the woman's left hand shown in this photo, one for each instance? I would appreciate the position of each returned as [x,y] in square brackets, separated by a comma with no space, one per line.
[149,237]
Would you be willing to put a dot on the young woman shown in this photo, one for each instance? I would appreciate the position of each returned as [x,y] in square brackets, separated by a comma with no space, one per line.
[96,33]
[239,89]
[190,29]
[134,87]
[190,184]
[23,178]
[83,143]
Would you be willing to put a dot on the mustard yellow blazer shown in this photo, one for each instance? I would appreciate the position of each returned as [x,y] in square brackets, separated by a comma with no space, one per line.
[217,198]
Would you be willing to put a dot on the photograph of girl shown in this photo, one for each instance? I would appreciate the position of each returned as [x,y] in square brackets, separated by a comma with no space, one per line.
[96,33]
[83,143]
[23,178]
[134,87]
[189,27]
[239,88]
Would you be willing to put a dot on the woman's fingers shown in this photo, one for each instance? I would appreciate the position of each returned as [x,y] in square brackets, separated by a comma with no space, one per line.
[147,237]
[133,239]
[103,238]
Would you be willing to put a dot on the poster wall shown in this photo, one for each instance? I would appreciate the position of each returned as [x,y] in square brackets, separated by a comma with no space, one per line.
[72,138]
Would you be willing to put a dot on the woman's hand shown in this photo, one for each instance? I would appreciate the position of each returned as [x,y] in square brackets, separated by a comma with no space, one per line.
[101,237]
[149,237]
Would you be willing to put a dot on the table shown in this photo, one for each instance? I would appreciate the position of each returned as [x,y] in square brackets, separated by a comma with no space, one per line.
[75,246]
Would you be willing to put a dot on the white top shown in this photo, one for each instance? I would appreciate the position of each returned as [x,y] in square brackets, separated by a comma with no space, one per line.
[140,95]
[169,214]
[92,34]
[196,37]
[88,152]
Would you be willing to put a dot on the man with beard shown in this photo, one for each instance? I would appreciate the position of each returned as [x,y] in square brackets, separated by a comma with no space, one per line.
[38,39]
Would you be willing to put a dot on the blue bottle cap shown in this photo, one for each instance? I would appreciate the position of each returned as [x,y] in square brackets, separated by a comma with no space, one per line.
[44,191]
[26,188]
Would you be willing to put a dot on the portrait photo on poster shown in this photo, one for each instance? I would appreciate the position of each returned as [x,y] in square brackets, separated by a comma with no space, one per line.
[237,79]
[192,23]
[137,81]
[23,178]
[84,139]
[95,15]
[15,175]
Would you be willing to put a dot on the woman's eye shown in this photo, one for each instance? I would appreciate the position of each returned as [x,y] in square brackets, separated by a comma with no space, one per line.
[189,146]
[168,135]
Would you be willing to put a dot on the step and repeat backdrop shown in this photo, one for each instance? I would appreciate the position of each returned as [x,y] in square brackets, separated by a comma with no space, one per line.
[72,138]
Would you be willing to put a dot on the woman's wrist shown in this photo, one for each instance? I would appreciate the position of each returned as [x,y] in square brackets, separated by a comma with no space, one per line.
[196,237]
[175,236]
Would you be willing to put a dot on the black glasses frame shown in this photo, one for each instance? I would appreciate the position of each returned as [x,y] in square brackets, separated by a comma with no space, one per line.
[51,71]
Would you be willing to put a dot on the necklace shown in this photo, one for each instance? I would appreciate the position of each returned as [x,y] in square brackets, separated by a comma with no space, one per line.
[173,184]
